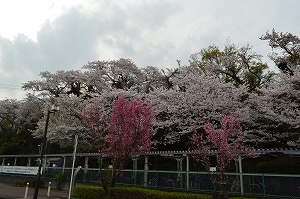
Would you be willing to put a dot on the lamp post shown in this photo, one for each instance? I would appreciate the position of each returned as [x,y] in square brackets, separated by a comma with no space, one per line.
[53,109]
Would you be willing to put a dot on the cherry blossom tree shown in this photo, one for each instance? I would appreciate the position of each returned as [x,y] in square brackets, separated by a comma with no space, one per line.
[153,79]
[129,132]
[17,119]
[65,123]
[194,101]
[124,74]
[119,74]
[62,82]
[286,50]
[8,113]
[30,111]
[69,121]
[275,112]
[8,125]
[227,144]
[98,76]
[216,83]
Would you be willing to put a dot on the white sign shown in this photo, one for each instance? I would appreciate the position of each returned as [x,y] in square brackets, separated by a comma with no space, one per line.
[212,169]
[19,170]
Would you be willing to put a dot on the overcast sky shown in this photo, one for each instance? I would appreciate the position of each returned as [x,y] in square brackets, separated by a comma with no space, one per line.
[51,35]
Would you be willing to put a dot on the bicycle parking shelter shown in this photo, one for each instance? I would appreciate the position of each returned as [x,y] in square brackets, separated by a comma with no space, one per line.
[148,170]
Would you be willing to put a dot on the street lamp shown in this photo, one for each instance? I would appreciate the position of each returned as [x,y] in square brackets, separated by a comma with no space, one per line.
[53,109]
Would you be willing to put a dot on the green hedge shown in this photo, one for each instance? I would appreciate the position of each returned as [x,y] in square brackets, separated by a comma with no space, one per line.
[94,192]
[88,192]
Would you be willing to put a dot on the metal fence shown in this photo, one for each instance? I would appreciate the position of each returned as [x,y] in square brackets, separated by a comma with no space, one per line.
[267,185]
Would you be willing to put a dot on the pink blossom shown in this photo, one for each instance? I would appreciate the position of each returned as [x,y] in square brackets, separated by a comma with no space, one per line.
[227,142]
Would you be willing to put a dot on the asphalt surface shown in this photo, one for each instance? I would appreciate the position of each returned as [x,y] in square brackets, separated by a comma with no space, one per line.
[8,191]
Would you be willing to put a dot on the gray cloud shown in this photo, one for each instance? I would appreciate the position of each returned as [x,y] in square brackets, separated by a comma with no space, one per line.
[69,41]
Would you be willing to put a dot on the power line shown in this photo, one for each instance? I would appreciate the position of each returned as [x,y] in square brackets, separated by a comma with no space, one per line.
[10,87]
[7,88]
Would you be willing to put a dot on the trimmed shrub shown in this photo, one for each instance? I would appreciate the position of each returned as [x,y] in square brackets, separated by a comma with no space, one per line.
[92,192]
[127,192]
[19,184]
[239,198]
[32,183]
[89,192]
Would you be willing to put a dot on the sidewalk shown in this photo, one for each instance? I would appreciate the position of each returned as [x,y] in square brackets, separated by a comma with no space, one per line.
[8,191]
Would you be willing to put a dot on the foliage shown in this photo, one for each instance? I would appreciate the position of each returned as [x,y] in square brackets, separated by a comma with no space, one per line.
[17,119]
[20,184]
[53,85]
[119,74]
[240,198]
[286,50]
[30,111]
[90,192]
[124,74]
[58,179]
[227,144]
[275,113]
[129,132]
[65,123]
[217,82]
[20,142]
[198,100]
[276,110]
[130,129]
[41,183]
[234,64]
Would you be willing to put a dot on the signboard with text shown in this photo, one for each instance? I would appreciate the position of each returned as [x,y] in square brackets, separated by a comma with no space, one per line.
[19,170]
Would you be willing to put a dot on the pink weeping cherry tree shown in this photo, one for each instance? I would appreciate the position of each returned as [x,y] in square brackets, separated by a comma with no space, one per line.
[227,143]
[128,132]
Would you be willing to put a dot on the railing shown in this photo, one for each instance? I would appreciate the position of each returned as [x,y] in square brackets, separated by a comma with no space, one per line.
[264,185]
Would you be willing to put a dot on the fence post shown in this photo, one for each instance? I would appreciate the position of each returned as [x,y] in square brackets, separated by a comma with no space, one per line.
[26,190]
[241,175]
[179,168]
[86,166]
[49,187]
[187,172]
[134,172]
[146,167]
[64,164]
[157,181]
[263,184]
[28,161]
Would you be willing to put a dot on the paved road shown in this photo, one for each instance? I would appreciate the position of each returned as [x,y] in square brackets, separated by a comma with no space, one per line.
[8,191]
